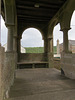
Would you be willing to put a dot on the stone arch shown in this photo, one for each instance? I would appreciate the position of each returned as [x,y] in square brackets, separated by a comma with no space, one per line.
[35,36]
[34,28]
[24,26]
[65,16]
[65,20]
[71,33]
[51,27]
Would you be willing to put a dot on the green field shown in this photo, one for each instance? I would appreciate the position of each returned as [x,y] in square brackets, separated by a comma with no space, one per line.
[38,49]
[34,49]
[55,50]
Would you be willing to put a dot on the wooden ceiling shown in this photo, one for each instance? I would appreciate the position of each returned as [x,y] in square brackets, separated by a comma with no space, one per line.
[37,10]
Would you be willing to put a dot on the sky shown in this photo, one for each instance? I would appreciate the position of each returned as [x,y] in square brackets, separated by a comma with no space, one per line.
[33,38]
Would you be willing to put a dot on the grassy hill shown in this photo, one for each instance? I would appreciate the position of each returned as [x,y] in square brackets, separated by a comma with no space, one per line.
[38,49]
[34,49]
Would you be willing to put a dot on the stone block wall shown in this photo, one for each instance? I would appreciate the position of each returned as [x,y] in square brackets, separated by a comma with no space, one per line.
[68,64]
[28,57]
[1,69]
[57,63]
[7,71]
[50,60]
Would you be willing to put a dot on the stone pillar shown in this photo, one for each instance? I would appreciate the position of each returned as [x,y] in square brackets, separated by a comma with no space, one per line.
[50,45]
[50,52]
[65,40]
[10,38]
[58,49]
[45,45]
[19,45]
[15,43]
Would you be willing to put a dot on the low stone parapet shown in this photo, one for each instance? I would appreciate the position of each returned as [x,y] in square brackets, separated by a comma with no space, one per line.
[68,64]
[32,57]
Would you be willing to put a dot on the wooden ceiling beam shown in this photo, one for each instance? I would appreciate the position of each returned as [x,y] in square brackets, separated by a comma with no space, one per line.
[28,19]
[36,17]
[40,4]
[36,13]
[34,8]
[33,18]
[48,2]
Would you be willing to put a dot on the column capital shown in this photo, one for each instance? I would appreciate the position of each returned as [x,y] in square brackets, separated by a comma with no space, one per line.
[10,37]
[9,25]
[45,38]
[65,29]
[50,38]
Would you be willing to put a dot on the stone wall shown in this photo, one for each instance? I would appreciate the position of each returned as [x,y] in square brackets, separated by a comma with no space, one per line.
[28,57]
[1,69]
[57,63]
[50,60]
[7,71]
[73,49]
[68,65]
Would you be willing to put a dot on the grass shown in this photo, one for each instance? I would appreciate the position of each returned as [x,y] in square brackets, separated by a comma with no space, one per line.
[34,49]
[38,49]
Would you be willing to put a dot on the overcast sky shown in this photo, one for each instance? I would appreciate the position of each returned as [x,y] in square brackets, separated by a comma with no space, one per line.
[32,37]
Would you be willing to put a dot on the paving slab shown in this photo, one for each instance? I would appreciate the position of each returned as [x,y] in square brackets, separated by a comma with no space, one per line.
[42,84]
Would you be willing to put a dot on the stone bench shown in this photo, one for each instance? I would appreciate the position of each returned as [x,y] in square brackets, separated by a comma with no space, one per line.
[32,63]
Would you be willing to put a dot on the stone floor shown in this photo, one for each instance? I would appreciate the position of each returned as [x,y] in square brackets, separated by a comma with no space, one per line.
[42,84]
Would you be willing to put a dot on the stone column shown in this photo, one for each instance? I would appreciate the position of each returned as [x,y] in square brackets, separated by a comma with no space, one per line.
[15,43]
[19,45]
[50,45]
[65,40]
[45,45]
[10,38]
[50,52]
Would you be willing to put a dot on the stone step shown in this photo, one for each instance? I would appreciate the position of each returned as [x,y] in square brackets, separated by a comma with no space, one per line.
[61,95]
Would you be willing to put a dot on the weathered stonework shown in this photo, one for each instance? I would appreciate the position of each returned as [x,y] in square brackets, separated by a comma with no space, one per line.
[68,64]
[29,57]
[71,46]
[50,60]
[57,63]
[7,71]
[1,70]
